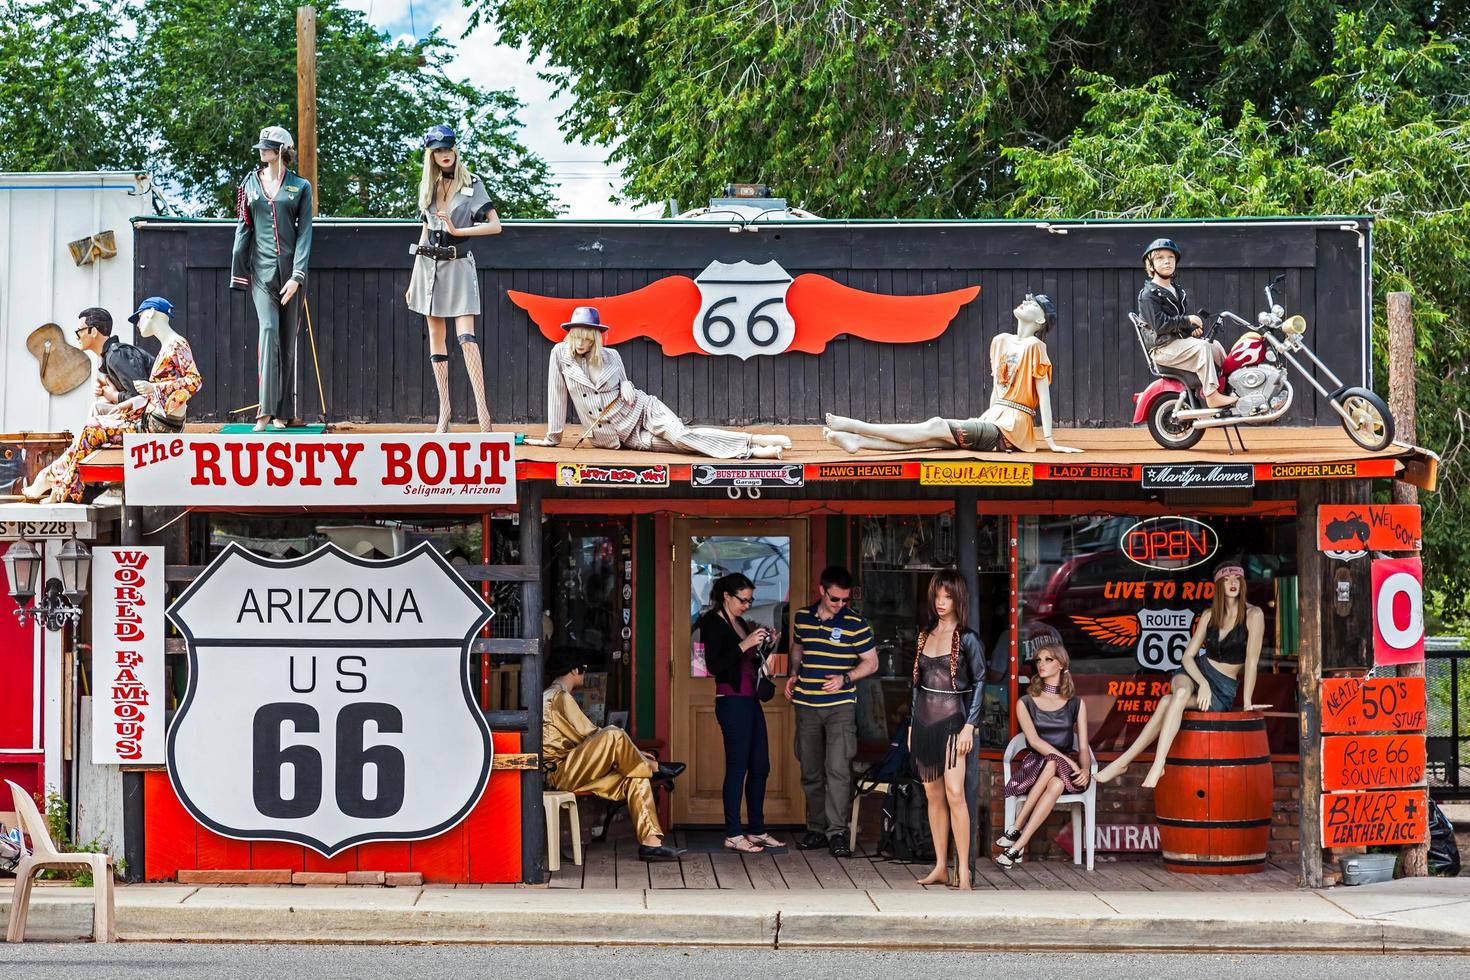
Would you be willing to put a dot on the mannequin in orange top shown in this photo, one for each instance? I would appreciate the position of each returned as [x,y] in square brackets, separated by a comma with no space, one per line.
[1020,395]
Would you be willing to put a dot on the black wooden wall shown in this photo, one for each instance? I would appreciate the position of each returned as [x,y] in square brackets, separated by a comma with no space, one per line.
[374,358]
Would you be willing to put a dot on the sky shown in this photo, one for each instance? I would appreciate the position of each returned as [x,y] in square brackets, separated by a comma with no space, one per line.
[585,179]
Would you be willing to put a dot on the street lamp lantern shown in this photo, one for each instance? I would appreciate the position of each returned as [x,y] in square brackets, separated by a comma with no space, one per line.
[60,599]
[75,560]
[22,565]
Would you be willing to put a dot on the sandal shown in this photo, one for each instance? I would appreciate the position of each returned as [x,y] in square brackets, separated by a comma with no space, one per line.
[742,844]
[1008,838]
[764,840]
[1008,857]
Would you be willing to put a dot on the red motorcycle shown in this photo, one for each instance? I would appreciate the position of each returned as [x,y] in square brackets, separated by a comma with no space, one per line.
[1254,371]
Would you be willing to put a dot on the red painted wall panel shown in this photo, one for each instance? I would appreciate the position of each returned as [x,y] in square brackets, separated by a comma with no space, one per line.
[494,826]
[485,847]
[170,839]
[18,667]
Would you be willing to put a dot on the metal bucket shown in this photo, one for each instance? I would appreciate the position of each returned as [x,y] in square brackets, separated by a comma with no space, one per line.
[1364,869]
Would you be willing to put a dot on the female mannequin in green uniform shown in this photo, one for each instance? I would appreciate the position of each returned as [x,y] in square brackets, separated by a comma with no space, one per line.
[271,253]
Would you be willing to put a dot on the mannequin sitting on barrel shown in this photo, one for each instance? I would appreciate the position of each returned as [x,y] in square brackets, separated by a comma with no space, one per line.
[1223,654]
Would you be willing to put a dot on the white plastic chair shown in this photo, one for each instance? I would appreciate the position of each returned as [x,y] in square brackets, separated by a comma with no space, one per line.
[554,801]
[861,790]
[45,855]
[1083,805]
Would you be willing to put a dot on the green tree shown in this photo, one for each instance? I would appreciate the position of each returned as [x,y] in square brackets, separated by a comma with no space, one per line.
[62,80]
[1390,140]
[216,72]
[868,107]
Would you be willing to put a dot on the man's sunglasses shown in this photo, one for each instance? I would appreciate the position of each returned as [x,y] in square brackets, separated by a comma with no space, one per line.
[836,601]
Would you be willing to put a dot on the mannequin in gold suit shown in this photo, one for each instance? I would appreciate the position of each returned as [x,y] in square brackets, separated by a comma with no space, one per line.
[582,758]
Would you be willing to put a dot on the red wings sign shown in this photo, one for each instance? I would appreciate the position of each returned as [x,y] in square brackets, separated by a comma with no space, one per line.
[744,309]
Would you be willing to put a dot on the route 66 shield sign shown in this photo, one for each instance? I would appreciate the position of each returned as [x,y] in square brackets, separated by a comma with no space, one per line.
[329,699]
[742,309]
[1163,635]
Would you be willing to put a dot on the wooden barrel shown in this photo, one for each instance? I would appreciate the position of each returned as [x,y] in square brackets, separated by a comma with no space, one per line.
[1213,802]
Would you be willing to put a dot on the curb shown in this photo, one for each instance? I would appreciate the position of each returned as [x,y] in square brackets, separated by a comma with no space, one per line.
[63,918]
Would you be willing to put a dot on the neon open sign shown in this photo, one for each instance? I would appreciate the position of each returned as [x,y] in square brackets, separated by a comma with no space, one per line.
[1169,543]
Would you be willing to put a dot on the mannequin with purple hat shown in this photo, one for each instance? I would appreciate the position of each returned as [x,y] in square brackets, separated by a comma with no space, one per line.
[617,415]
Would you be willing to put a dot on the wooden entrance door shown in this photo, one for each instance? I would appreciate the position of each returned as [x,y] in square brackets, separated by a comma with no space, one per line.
[772,554]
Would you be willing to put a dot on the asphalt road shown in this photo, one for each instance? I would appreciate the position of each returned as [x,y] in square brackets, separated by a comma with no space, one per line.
[139,961]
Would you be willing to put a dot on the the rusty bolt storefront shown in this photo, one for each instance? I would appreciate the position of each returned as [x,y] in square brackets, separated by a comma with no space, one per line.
[613,552]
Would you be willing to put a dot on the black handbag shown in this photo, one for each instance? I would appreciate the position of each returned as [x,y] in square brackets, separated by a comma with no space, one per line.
[765,688]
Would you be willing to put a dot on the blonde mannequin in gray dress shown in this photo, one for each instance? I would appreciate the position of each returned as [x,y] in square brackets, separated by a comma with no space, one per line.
[445,286]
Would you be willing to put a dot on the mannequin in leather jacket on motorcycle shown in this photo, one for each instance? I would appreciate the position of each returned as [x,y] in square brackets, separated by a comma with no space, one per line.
[1179,335]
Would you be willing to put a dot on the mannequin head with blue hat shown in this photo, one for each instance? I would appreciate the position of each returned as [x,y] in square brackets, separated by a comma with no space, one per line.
[442,165]
[153,318]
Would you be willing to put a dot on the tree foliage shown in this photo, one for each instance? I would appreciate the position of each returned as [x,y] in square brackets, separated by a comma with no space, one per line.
[182,88]
[60,108]
[1391,141]
[850,106]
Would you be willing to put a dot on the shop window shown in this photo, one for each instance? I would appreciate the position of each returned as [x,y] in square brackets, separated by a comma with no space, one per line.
[1125,592]
[587,575]
[899,555]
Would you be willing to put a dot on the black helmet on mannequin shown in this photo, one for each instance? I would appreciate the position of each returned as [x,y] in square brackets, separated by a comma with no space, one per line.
[1163,243]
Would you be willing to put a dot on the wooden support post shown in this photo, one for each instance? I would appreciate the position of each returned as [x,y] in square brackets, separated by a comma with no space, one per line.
[1309,680]
[306,101]
[533,817]
[1401,402]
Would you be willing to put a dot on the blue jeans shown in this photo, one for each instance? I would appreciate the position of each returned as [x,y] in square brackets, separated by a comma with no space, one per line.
[747,761]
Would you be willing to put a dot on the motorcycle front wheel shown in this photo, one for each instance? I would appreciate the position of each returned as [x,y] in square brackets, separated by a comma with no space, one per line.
[1366,419]
[1168,431]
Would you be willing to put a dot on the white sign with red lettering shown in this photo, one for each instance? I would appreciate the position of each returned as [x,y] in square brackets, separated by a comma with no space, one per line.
[1398,611]
[274,470]
[127,656]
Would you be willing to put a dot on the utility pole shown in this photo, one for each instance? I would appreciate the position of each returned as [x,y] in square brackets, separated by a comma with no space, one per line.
[1402,402]
[306,100]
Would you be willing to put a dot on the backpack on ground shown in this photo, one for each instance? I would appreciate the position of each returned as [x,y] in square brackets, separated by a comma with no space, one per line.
[905,835]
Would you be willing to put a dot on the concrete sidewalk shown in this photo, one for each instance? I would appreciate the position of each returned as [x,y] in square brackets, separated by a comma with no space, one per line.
[1406,915]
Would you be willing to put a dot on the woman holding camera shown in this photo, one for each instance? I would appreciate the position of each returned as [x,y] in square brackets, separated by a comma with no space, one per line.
[734,653]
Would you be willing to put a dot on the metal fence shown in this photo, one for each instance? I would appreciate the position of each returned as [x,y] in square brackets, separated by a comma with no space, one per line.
[1447,687]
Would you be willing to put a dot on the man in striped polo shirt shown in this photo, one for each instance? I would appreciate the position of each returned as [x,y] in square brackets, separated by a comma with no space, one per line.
[833,648]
